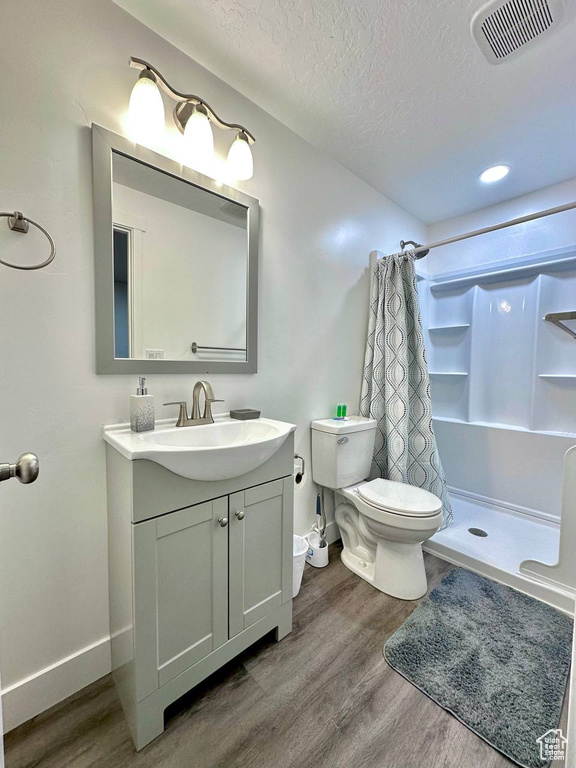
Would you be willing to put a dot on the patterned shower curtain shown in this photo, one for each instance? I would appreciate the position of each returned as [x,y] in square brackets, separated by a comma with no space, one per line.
[396,385]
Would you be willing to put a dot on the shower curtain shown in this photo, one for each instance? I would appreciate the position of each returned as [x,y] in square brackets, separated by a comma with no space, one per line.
[396,385]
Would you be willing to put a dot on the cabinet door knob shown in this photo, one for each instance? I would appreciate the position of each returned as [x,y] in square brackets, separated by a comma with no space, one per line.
[223,522]
[240,514]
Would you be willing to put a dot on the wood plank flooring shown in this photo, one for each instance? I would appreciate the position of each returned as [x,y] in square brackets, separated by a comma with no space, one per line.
[324,697]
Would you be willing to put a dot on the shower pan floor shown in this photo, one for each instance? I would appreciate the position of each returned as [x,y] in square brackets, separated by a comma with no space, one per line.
[511,538]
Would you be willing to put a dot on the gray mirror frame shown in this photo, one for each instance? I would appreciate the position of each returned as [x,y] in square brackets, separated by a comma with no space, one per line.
[104,143]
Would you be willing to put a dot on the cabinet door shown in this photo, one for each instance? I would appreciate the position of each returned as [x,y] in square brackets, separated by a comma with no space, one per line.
[260,577]
[180,591]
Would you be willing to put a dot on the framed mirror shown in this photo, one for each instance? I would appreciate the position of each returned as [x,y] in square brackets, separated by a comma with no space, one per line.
[176,265]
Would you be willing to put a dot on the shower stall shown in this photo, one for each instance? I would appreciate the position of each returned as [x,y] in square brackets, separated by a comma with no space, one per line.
[501,350]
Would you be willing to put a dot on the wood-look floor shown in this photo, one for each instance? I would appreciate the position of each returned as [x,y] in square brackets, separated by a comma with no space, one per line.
[323,697]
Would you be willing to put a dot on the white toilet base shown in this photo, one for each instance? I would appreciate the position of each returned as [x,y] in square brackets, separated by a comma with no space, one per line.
[398,570]
[389,558]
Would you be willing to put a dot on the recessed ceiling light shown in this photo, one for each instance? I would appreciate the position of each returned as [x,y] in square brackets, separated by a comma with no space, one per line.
[494,173]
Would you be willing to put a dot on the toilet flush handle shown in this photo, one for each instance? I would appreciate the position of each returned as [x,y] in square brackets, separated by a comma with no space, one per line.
[342,440]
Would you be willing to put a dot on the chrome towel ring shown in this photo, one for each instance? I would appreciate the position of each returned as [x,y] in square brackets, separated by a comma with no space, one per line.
[18,223]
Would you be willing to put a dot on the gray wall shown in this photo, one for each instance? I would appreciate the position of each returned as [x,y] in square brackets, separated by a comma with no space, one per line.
[319,224]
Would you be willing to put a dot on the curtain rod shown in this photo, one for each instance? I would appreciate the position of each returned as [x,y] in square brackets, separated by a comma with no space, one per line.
[485,230]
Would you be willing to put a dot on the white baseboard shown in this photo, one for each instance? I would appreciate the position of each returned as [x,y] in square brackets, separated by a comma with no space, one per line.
[332,532]
[37,693]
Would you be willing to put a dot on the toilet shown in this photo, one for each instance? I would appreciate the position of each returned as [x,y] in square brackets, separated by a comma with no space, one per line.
[383,523]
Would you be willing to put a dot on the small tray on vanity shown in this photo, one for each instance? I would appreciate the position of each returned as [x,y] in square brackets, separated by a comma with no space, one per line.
[242,414]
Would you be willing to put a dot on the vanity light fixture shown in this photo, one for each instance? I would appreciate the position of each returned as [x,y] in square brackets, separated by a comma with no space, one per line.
[194,119]
[239,161]
[198,138]
[146,110]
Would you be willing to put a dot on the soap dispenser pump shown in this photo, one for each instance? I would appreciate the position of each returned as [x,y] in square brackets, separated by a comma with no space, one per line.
[142,408]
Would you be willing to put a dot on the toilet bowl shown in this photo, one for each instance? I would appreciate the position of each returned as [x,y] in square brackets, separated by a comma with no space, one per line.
[384,545]
[383,523]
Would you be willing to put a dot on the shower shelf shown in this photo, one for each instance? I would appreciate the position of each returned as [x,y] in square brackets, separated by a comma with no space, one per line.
[510,427]
[447,373]
[523,267]
[521,371]
[557,375]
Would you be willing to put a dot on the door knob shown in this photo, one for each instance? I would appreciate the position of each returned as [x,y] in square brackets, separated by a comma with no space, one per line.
[240,514]
[26,469]
[223,522]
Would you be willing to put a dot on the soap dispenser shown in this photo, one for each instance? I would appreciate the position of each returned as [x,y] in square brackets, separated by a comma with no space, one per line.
[141,409]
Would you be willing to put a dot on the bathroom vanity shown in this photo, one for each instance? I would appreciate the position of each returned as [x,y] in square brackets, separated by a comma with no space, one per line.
[200,513]
[199,569]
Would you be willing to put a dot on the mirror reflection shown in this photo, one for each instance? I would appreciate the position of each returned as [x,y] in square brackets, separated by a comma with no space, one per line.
[180,268]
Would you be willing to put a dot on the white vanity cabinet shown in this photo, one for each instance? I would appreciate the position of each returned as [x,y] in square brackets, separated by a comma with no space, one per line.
[198,572]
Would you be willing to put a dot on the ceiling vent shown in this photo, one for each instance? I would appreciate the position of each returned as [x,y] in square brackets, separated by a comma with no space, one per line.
[502,29]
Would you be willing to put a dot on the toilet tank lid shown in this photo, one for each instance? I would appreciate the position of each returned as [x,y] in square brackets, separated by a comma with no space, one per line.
[342,426]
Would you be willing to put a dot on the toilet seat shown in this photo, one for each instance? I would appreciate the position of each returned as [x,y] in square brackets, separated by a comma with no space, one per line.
[399,498]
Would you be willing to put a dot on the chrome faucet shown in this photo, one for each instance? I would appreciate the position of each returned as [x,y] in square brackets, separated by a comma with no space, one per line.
[191,421]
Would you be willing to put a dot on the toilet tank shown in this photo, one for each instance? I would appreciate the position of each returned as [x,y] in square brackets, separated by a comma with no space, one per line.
[342,450]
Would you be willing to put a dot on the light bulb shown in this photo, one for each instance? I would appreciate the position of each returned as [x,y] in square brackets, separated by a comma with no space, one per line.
[494,173]
[146,111]
[199,141]
[240,164]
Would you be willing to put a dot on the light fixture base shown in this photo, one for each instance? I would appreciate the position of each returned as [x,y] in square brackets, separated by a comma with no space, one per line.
[184,110]
[147,74]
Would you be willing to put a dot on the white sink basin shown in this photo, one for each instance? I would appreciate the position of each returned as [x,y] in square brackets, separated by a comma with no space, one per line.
[227,448]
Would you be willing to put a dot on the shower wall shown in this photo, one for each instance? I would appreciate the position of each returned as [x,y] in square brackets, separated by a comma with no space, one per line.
[503,380]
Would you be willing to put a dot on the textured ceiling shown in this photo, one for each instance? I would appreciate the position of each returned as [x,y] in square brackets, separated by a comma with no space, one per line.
[395,90]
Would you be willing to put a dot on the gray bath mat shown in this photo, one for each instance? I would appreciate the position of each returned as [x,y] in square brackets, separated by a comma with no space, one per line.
[496,659]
